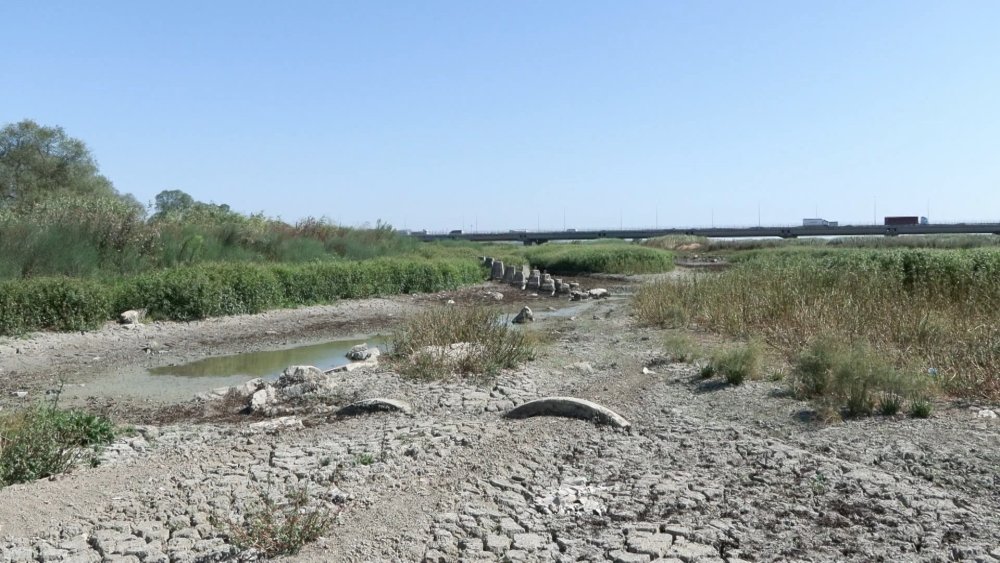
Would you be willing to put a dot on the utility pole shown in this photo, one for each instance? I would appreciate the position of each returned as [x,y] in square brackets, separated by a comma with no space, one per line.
[758,213]
[564,218]
[657,216]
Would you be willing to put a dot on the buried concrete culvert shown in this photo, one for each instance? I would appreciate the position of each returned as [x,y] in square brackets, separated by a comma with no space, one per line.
[569,407]
[374,405]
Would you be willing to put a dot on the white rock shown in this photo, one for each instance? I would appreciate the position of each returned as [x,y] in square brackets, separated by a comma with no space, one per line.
[297,381]
[132,316]
[525,316]
[359,352]
[250,387]
[986,413]
[282,423]
[263,399]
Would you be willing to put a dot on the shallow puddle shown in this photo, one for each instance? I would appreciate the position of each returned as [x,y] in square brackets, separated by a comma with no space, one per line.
[269,363]
[184,381]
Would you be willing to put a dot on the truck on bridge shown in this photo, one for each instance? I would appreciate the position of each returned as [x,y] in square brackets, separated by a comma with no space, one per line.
[817,222]
[906,220]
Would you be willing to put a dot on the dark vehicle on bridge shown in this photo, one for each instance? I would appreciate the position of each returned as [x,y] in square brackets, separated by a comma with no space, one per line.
[906,220]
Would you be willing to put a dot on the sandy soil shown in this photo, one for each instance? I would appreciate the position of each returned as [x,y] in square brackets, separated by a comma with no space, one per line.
[706,473]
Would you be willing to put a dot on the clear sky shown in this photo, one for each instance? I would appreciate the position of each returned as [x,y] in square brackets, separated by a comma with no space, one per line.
[515,114]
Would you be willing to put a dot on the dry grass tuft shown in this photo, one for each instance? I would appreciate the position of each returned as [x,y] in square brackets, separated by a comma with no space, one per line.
[470,340]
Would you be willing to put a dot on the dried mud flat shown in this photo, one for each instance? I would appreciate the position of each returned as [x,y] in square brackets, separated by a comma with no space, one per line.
[706,473]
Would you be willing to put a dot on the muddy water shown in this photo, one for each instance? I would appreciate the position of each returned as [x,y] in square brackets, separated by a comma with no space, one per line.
[184,381]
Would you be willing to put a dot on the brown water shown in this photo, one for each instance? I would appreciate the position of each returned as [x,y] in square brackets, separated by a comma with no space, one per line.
[184,381]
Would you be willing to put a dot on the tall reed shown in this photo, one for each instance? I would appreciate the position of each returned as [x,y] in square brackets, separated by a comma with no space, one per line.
[926,309]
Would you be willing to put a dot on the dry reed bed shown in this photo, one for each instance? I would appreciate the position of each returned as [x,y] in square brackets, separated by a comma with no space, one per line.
[923,310]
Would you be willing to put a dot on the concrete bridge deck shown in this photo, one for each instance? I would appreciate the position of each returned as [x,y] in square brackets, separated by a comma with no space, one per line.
[539,237]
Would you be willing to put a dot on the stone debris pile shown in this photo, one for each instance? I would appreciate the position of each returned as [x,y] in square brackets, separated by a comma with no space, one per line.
[533,279]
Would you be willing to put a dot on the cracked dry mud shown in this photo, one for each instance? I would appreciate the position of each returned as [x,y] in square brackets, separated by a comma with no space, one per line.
[705,474]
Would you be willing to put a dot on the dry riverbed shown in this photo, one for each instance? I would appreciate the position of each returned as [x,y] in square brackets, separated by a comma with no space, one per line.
[706,473]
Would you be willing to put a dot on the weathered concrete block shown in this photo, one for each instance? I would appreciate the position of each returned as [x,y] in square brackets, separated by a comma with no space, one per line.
[569,407]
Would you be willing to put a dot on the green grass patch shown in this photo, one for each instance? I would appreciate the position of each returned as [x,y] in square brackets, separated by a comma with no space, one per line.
[606,258]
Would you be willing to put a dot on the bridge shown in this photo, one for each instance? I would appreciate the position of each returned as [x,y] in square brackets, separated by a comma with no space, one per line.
[539,237]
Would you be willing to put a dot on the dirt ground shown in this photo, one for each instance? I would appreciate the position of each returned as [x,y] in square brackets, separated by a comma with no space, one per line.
[706,473]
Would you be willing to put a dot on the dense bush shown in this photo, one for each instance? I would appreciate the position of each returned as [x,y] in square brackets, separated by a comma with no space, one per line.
[226,289]
[53,304]
[44,440]
[75,236]
[207,290]
[608,258]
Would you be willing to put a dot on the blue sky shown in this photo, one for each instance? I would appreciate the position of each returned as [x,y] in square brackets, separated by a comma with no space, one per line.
[517,114]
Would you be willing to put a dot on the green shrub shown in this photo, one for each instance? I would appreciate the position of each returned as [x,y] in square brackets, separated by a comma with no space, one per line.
[707,371]
[921,408]
[44,440]
[851,377]
[738,364]
[225,289]
[890,403]
[52,304]
[207,290]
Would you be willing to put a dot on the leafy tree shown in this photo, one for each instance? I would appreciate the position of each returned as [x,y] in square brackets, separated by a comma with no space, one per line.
[38,162]
[172,201]
[178,207]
